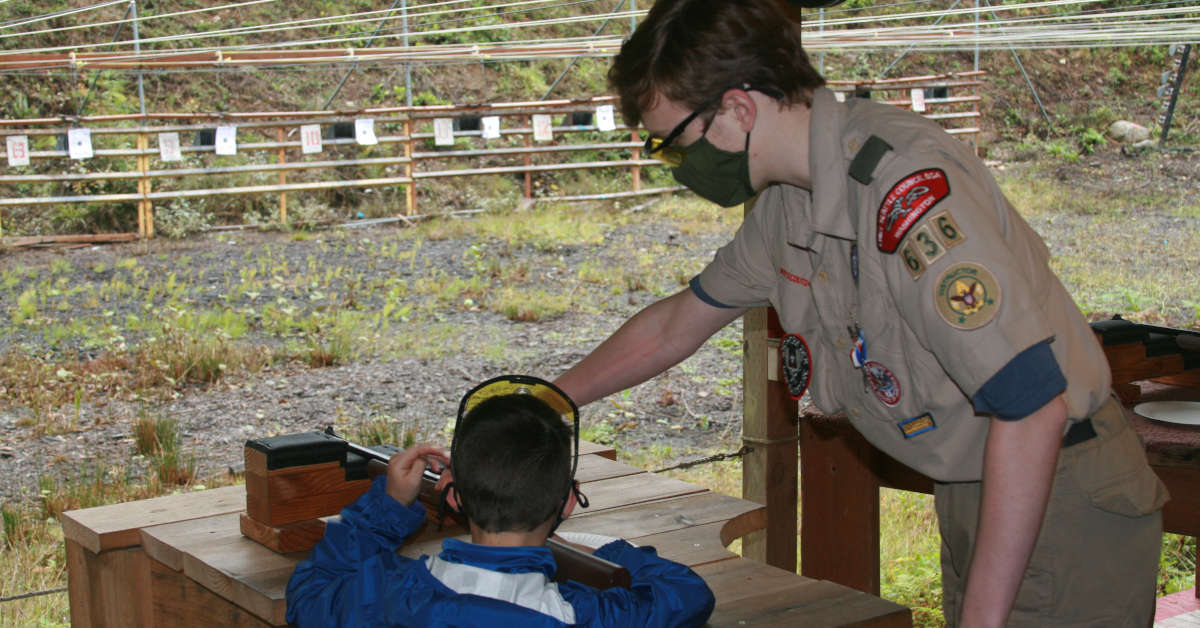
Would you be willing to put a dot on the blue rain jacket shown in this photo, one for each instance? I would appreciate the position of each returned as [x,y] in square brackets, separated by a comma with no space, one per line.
[353,577]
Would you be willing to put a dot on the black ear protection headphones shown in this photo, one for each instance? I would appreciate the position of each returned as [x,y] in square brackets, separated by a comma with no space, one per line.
[554,397]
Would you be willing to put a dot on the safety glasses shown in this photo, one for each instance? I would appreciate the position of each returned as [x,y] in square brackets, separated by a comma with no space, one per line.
[660,147]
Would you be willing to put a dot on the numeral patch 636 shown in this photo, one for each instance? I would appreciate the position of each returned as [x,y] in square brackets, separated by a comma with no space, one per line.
[929,243]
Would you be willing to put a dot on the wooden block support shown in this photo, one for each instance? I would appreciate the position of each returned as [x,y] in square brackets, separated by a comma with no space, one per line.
[291,537]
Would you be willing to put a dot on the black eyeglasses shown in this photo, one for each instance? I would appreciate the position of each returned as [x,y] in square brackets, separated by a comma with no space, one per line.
[660,147]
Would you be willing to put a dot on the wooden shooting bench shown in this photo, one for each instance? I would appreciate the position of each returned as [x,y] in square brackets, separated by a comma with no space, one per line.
[841,472]
[183,560]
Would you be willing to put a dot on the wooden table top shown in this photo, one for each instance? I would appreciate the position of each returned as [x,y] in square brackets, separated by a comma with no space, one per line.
[684,522]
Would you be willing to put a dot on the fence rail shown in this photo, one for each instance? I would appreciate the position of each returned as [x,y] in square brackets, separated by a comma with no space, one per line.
[470,140]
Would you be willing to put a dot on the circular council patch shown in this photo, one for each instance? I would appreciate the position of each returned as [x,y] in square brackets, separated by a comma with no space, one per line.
[883,382]
[967,296]
[796,360]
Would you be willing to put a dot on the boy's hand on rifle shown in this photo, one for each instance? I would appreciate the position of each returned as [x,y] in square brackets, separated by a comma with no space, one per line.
[406,467]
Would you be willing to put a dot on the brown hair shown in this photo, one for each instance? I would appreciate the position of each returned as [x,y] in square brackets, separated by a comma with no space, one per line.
[691,51]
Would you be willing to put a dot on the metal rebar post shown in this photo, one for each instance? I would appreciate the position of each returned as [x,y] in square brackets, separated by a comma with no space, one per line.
[1162,141]
[911,46]
[570,65]
[354,66]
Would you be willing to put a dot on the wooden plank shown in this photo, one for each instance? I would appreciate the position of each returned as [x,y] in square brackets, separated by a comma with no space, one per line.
[213,552]
[79,590]
[178,601]
[270,510]
[752,593]
[839,537]
[119,586]
[740,578]
[300,493]
[116,525]
[820,606]
[1181,514]
[692,546]
[292,537]
[604,451]
[1187,379]
[245,573]
[593,467]
[769,474]
[664,516]
[635,489]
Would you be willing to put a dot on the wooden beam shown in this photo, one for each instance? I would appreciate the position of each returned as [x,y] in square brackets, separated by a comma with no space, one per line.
[842,499]
[769,429]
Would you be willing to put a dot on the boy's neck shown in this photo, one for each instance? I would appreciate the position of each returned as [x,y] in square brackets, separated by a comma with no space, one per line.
[535,537]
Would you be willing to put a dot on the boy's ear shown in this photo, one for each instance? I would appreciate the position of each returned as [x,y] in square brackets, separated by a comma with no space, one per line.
[452,499]
[569,505]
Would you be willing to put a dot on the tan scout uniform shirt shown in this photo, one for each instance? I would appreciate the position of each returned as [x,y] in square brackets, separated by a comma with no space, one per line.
[967,289]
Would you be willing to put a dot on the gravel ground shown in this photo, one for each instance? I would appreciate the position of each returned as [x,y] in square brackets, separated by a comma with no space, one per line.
[693,408]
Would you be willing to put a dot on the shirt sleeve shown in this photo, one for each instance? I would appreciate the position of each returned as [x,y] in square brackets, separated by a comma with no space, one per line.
[1024,385]
[967,274]
[663,594]
[741,273]
[342,580]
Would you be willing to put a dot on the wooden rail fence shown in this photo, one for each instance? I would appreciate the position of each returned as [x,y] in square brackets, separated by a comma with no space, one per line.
[346,149]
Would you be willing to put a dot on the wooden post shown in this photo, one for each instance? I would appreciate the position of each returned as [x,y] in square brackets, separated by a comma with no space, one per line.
[142,186]
[637,170]
[769,427]
[841,498]
[528,161]
[281,137]
[410,193]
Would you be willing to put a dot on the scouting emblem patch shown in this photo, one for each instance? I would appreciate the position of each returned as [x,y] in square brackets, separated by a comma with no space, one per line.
[904,205]
[883,382]
[797,364]
[967,296]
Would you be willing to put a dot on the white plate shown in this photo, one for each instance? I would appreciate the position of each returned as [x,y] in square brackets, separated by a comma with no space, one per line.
[1179,412]
[588,539]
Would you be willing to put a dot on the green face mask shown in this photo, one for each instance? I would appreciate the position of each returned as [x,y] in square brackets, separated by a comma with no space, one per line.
[716,175]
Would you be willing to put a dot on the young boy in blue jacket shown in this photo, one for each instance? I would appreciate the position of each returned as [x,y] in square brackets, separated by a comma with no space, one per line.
[512,476]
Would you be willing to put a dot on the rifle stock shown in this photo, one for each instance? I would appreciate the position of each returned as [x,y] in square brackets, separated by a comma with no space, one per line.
[573,564]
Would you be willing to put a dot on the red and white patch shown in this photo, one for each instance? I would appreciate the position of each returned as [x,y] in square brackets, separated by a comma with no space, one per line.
[883,382]
[904,205]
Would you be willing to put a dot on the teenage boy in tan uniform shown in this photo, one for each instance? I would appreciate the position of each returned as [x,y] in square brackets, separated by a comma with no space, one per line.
[922,301]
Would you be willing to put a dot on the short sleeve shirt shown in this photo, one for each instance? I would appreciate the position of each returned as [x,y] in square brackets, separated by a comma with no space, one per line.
[923,259]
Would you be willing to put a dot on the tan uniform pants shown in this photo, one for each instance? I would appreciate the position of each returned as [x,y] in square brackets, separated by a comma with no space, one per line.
[1096,559]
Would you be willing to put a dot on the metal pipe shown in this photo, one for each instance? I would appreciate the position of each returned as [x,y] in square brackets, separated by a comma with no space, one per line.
[137,49]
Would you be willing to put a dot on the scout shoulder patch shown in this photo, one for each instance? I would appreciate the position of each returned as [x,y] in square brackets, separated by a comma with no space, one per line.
[967,296]
[906,202]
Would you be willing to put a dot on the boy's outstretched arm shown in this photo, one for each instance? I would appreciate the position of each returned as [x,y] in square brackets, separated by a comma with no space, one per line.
[341,582]
[655,339]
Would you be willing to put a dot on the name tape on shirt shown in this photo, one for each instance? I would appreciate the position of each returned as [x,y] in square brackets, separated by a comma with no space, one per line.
[906,202]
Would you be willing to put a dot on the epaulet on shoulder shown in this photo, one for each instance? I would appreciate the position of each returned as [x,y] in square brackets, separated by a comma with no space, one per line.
[862,167]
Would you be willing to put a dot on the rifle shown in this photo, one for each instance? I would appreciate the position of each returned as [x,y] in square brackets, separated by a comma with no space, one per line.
[573,564]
